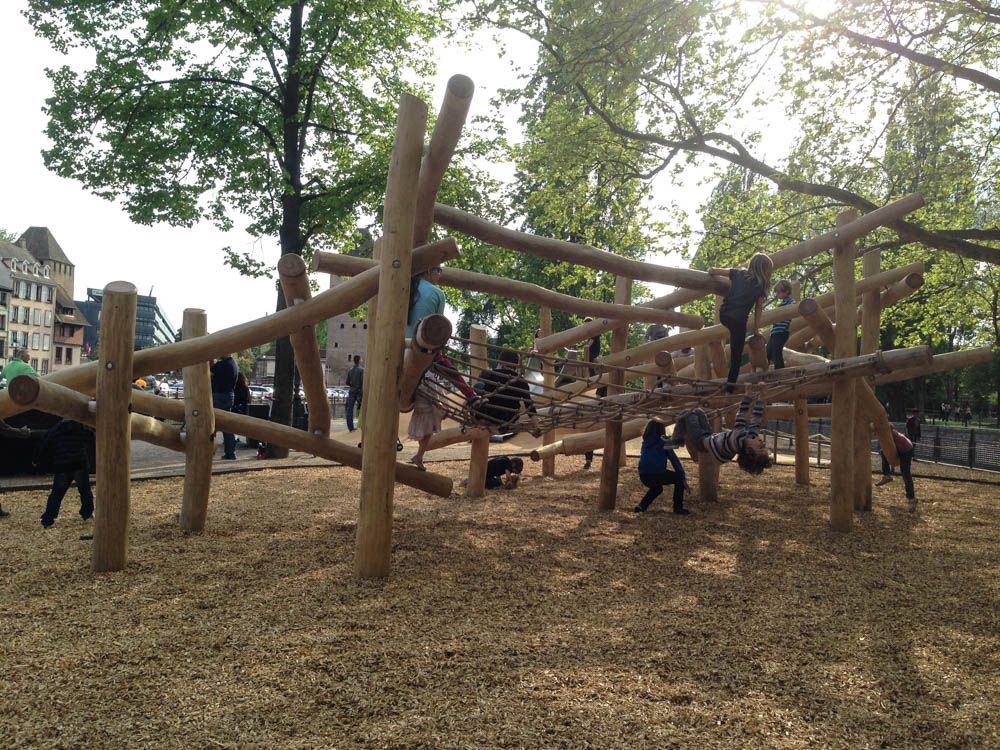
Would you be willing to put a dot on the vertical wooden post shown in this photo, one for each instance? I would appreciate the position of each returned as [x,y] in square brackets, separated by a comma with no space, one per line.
[199,430]
[374,532]
[871,313]
[801,442]
[708,468]
[845,345]
[611,461]
[478,458]
[717,352]
[114,427]
[548,381]
[477,351]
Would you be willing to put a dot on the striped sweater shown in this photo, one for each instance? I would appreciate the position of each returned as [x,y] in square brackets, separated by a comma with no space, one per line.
[782,325]
[723,446]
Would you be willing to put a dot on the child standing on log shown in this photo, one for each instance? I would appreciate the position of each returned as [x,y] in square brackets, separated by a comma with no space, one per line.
[746,292]
[779,331]
[653,471]
[742,442]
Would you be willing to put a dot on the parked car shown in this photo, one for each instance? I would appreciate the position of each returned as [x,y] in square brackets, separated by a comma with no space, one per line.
[261,393]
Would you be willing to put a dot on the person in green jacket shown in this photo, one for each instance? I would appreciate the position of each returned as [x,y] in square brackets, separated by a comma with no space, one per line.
[18,366]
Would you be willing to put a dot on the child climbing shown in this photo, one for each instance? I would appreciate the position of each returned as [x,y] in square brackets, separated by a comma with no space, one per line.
[426,298]
[904,447]
[653,471]
[742,442]
[746,292]
[779,331]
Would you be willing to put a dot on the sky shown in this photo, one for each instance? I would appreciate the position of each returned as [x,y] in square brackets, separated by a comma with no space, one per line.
[181,267]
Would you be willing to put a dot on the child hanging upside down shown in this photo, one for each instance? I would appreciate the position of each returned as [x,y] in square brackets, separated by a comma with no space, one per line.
[653,472]
[742,442]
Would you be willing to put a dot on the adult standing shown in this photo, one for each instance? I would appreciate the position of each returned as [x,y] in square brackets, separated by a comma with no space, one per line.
[66,451]
[18,366]
[225,372]
[355,391]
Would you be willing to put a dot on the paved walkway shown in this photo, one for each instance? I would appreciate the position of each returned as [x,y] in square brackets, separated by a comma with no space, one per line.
[154,462]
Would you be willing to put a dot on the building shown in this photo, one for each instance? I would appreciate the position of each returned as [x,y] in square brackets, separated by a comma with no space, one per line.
[31,304]
[152,327]
[345,337]
[5,291]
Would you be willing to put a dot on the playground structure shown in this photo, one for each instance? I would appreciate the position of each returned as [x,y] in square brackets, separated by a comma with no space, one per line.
[100,393]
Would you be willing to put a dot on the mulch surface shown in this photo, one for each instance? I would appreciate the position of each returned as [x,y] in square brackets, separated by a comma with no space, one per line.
[525,620]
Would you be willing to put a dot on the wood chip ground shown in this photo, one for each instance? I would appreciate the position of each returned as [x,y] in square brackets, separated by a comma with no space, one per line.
[526,620]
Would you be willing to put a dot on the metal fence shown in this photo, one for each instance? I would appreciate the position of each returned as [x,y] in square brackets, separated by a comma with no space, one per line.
[972,448]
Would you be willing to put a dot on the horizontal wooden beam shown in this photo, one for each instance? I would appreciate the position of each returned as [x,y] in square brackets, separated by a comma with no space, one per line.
[342,298]
[30,392]
[880,217]
[570,252]
[470,281]
[299,440]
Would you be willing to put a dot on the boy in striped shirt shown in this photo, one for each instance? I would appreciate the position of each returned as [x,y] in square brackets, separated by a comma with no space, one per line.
[742,442]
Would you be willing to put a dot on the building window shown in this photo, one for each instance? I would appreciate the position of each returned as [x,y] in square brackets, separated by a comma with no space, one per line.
[34,364]
[24,289]
[26,315]
[29,290]
[336,345]
[38,293]
[36,341]
[46,342]
[45,271]
[45,367]
[48,318]
[49,293]
[69,356]
[3,299]
[3,346]
[58,355]
[3,322]
[14,311]
[341,325]
[354,325]
[365,326]
[37,317]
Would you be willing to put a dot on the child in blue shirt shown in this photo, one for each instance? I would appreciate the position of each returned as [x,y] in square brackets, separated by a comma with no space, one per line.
[779,331]
[653,471]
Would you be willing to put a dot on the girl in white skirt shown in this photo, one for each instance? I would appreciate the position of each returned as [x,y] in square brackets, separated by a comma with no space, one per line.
[426,417]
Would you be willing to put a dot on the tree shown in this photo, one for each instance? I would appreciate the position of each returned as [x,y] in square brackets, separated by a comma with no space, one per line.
[195,110]
[698,68]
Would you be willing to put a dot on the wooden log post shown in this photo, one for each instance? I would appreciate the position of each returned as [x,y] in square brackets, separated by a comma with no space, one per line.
[663,364]
[374,532]
[477,351]
[574,445]
[871,314]
[757,351]
[455,435]
[845,345]
[429,337]
[479,456]
[874,411]
[199,430]
[801,442]
[294,277]
[716,349]
[708,468]
[548,382]
[444,140]
[612,459]
[114,427]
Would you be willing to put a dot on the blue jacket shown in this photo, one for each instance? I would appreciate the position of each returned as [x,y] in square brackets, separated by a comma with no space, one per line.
[654,456]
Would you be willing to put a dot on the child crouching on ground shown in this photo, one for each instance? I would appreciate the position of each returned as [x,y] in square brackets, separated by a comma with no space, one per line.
[742,442]
[653,471]
[503,472]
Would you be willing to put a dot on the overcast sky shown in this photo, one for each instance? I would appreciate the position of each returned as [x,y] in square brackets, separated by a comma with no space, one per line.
[181,267]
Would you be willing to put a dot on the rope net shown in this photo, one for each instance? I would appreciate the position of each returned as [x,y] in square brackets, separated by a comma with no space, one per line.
[514,397]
